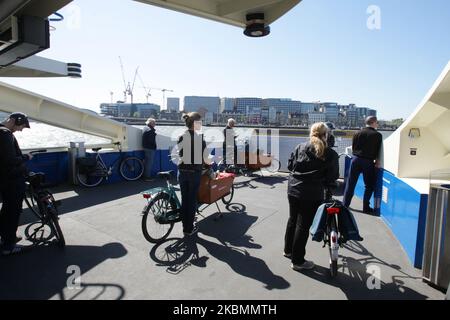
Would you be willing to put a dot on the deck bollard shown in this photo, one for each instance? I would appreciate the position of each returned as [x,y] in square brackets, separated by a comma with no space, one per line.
[76,150]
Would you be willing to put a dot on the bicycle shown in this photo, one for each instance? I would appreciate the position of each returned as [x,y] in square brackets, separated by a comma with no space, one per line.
[252,162]
[163,209]
[44,206]
[92,170]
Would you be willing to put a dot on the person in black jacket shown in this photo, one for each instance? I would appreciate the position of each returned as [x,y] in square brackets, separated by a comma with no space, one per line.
[366,148]
[229,143]
[12,181]
[149,145]
[313,166]
[191,148]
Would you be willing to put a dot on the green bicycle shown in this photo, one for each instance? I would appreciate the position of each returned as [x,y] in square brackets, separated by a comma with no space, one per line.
[163,209]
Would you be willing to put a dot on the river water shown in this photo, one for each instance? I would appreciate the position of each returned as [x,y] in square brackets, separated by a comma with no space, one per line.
[44,136]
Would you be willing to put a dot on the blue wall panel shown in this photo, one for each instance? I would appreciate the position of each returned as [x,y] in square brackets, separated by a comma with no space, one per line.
[402,208]
[53,164]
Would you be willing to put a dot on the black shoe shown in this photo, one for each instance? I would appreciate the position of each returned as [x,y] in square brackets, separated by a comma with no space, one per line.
[369,210]
[18,239]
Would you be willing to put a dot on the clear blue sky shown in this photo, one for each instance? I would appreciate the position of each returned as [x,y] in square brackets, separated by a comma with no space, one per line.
[321,50]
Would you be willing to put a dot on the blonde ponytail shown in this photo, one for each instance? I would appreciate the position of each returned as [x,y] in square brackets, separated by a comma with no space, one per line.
[318,138]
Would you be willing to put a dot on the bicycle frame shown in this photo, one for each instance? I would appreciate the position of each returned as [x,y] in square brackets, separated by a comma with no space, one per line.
[168,189]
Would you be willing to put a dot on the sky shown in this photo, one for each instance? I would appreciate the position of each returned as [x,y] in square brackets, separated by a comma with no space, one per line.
[321,50]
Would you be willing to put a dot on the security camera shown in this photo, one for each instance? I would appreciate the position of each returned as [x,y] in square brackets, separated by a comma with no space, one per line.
[256,26]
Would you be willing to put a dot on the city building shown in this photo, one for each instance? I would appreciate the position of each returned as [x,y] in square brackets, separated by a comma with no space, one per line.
[139,110]
[285,106]
[173,104]
[226,105]
[331,111]
[314,117]
[196,103]
[244,104]
[308,107]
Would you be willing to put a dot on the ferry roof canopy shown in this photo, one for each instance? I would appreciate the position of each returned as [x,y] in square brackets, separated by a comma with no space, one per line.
[232,12]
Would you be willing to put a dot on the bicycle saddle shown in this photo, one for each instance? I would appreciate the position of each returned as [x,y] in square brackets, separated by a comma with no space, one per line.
[96,149]
[165,174]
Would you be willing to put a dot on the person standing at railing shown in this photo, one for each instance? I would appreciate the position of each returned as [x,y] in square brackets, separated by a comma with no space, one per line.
[191,146]
[12,181]
[366,149]
[149,145]
[313,166]
[229,143]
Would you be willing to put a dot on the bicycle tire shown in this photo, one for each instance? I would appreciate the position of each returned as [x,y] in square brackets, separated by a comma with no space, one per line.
[333,263]
[93,179]
[275,166]
[228,198]
[159,202]
[131,168]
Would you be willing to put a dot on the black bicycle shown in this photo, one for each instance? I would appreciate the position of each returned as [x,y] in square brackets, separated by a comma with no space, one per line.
[92,170]
[44,206]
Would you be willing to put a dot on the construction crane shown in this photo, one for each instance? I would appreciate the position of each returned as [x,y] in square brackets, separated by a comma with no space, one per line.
[128,87]
[164,94]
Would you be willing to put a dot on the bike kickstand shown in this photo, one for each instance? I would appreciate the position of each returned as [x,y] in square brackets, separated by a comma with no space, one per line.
[220,215]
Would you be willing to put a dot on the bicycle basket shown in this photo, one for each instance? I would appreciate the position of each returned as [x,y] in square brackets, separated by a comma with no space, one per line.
[86,164]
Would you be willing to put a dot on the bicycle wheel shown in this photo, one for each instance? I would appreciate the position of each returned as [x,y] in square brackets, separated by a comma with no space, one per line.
[227,199]
[91,179]
[333,246]
[154,231]
[131,168]
[275,166]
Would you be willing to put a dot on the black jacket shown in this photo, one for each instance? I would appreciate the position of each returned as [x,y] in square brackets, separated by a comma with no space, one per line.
[367,143]
[310,174]
[191,148]
[12,161]
[149,139]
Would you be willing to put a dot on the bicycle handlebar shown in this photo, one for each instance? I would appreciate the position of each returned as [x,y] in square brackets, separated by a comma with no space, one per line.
[38,151]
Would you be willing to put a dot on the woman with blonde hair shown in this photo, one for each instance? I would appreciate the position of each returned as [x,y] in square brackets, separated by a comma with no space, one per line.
[313,166]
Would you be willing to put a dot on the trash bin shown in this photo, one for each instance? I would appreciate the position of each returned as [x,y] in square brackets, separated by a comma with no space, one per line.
[76,150]
[436,257]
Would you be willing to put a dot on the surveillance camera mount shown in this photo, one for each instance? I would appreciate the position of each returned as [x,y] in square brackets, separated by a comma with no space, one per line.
[256,26]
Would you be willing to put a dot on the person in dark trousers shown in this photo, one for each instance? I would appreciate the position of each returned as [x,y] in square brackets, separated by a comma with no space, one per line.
[313,167]
[366,148]
[12,181]
[149,145]
[229,143]
[191,148]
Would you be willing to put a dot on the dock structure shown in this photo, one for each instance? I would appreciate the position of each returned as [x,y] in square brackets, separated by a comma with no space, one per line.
[239,256]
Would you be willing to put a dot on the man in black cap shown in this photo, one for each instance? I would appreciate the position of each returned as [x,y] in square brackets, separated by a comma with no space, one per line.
[12,181]
[366,150]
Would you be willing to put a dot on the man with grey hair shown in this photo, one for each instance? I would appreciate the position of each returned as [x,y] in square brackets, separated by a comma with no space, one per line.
[229,142]
[366,151]
[149,146]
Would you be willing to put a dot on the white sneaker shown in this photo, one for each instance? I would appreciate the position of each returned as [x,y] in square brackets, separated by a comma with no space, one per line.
[307,265]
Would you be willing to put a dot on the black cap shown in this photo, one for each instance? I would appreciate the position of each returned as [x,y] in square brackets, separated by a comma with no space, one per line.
[20,119]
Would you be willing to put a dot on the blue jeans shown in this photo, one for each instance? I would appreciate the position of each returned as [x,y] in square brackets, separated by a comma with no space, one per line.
[367,168]
[189,185]
[149,156]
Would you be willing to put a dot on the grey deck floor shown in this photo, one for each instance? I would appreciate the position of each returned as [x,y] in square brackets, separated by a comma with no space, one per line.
[236,257]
